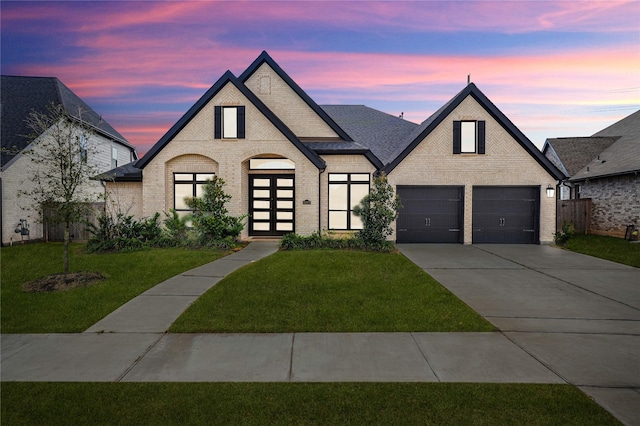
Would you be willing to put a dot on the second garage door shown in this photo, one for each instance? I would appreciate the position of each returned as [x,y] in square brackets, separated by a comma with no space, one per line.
[506,214]
[430,214]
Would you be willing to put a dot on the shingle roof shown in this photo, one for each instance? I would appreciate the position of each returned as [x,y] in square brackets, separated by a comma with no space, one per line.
[375,130]
[575,153]
[621,157]
[22,95]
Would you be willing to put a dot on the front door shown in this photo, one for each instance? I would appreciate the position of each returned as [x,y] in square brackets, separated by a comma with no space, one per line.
[271,205]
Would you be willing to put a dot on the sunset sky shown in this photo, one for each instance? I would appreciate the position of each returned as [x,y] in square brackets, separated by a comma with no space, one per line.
[555,68]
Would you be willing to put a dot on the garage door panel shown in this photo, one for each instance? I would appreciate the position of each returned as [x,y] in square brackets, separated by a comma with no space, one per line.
[430,214]
[506,215]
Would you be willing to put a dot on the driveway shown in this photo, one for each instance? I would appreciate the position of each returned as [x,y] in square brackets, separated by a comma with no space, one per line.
[576,314]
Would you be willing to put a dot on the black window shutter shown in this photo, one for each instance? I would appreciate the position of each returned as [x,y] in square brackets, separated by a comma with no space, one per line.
[217,126]
[457,137]
[481,136]
[241,133]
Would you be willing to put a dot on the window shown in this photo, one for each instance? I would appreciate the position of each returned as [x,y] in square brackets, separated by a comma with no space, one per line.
[187,185]
[229,122]
[82,140]
[346,190]
[271,164]
[114,157]
[469,137]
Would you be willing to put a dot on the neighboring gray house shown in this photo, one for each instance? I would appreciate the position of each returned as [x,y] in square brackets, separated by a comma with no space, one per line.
[20,96]
[605,168]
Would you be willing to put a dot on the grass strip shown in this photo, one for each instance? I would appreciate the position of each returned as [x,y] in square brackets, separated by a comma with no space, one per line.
[329,291]
[609,248]
[298,403]
[128,275]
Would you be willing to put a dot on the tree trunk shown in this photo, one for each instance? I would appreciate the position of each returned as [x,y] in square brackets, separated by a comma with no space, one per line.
[67,225]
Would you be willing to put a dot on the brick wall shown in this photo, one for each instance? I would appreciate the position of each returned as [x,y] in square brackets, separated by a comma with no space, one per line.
[615,203]
[432,162]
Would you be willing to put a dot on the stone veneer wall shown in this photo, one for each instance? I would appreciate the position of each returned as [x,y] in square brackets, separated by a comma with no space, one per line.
[615,203]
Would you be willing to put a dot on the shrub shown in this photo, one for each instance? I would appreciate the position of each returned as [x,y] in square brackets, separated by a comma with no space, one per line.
[210,217]
[562,237]
[123,233]
[175,226]
[378,210]
[319,241]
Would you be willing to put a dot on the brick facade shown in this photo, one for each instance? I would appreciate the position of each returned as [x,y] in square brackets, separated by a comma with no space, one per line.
[615,203]
[505,162]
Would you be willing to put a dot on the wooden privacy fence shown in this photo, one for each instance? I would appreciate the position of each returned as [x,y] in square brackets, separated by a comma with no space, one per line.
[575,212]
[78,231]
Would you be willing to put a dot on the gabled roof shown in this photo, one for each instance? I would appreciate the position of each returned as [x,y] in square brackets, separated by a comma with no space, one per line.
[621,157]
[228,78]
[432,122]
[575,153]
[22,95]
[265,58]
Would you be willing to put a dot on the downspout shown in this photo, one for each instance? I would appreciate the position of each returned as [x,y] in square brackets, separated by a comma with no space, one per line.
[320,199]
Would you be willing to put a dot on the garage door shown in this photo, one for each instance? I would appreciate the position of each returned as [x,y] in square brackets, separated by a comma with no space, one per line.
[430,214]
[506,214]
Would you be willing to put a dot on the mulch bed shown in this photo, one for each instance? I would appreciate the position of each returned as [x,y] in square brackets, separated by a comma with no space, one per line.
[62,282]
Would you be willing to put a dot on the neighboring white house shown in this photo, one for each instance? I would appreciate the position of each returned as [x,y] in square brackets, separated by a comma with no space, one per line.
[20,96]
[465,175]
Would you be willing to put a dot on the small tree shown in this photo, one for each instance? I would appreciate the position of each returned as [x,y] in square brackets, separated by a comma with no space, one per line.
[61,172]
[210,215]
[378,210]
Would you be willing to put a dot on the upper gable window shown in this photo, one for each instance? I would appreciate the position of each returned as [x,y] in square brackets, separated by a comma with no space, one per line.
[229,122]
[469,137]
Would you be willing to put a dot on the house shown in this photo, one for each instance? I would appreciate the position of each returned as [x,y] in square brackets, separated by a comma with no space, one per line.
[604,168]
[20,96]
[465,175]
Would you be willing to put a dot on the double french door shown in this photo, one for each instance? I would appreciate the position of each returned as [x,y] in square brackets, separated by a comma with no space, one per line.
[271,205]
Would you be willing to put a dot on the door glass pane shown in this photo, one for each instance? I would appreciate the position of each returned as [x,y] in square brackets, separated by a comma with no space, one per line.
[337,220]
[182,191]
[285,216]
[262,183]
[271,164]
[338,177]
[261,215]
[358,192]
[284,226]
[285,204]
[285,193]
[261,193]
[285,182]
[260,226]
[259,204]
[338,196]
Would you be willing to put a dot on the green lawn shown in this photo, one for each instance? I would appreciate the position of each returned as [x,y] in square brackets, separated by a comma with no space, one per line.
[329,291]
[128,274]
[610,248]
[298,403]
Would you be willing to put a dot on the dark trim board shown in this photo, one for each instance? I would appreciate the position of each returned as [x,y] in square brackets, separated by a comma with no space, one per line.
[506,215]
[430,214]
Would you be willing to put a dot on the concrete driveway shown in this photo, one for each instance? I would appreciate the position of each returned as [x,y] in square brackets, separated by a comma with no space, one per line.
[576,314]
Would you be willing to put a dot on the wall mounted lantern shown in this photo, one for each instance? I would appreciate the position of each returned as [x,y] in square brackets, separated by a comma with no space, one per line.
[550,191]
